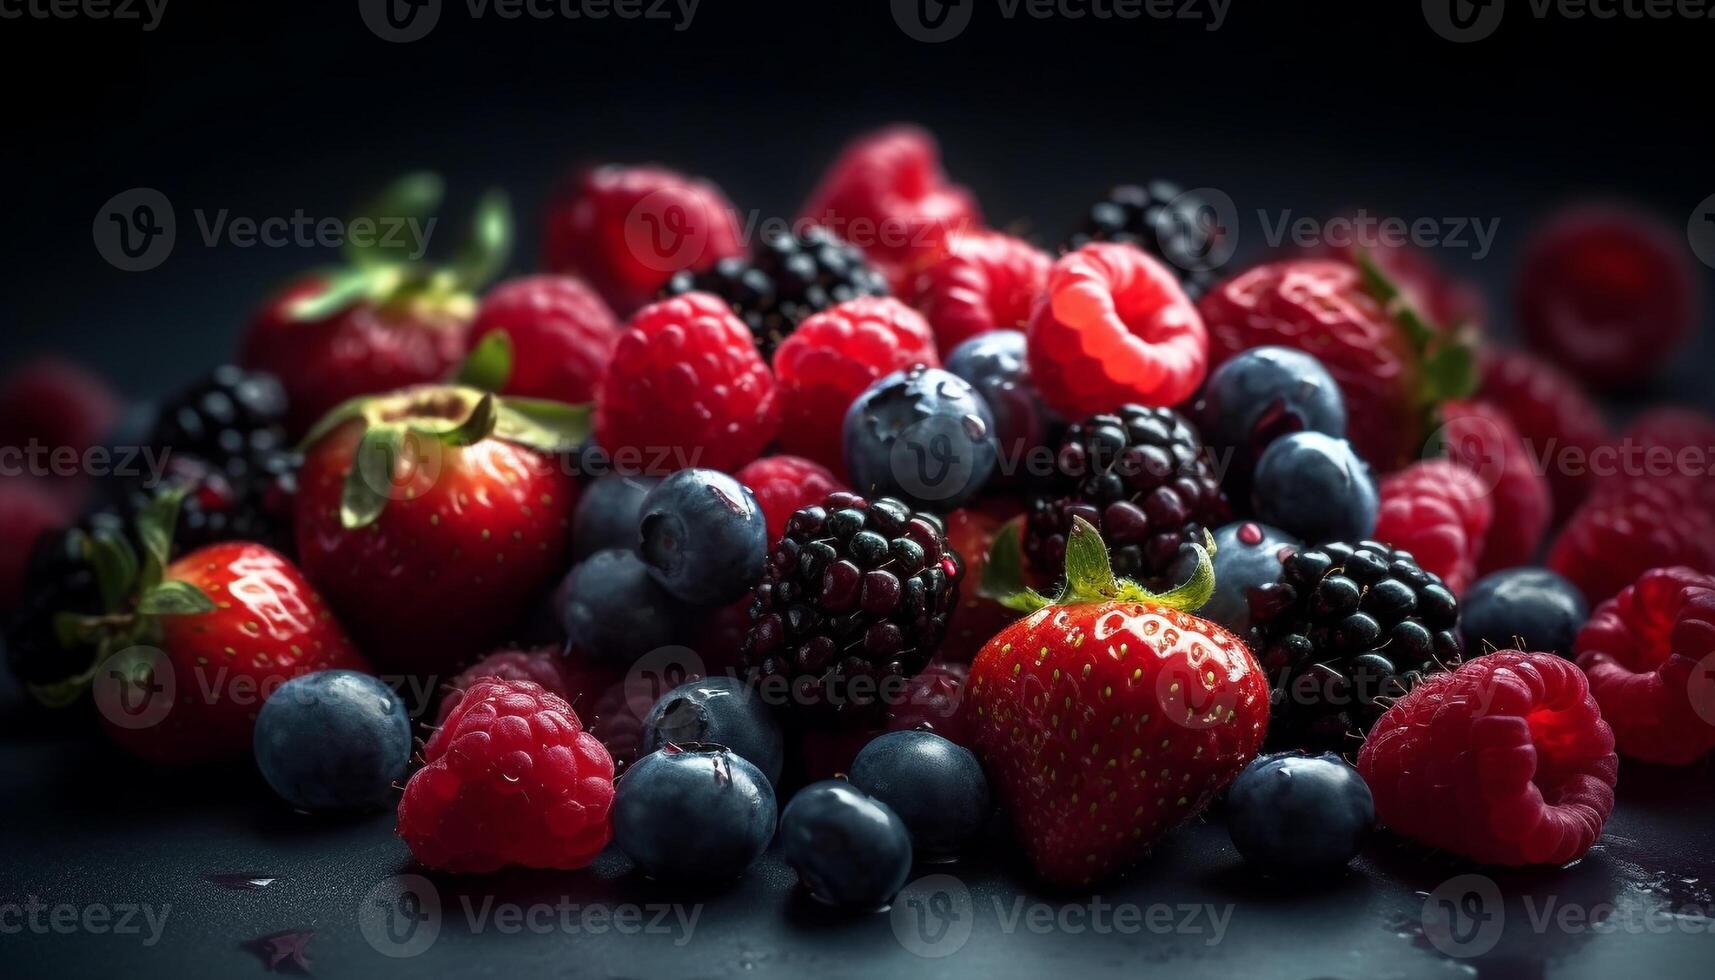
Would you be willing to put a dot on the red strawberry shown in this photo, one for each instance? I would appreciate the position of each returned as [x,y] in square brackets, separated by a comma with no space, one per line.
[383,322]
[185,660]
[1442,297]
[626,230]
[1109,715]
[432,518]
[977,618]
[1392,366]
[888,195]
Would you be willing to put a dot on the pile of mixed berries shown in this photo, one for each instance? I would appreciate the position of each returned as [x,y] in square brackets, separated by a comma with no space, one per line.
[847,540]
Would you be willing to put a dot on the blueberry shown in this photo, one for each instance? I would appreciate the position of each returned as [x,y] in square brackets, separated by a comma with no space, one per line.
[613,609]
[1263,394]
[333,740]
[720,711]
[607,514]
[937,788]
[703,536]
[849,850]
[1532,605]
[1315,487]
[994,364]
[922,435]
[1297,814]
[1248,557]
[693,812]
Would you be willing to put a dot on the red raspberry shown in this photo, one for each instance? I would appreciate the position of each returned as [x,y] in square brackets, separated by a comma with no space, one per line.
[934,701]
[562,335]
[887,194]
[832,357]
[1552,414]
[1505,760]
[986,281]
[626,230]
[1627,527]
[785,484]
[971,532]
[55,403]
[511,778]
[1441,513]
[1115,327]
[686,379]
[1675,429]
[1650,656]
[1608,294]
[546,667]
[1323,308]
[1480,438]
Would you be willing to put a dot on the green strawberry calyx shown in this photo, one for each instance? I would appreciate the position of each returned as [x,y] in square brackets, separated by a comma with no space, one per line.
[404,436]
[1446,354]
[385,253]
[1089,575]
[135,594]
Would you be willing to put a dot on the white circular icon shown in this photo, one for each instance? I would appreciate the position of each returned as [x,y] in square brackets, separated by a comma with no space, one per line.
[401,916]
[135,230]
[932,917]
[1464,916]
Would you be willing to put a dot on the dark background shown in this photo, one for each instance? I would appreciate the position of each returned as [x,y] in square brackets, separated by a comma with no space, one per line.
[267,108]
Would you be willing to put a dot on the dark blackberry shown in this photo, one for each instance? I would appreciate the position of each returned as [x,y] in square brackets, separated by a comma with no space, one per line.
[60,580]
[229,416]
[1178,228]
[1350,628]
[1140,475]
[249,499]
[855,599]
[784,280]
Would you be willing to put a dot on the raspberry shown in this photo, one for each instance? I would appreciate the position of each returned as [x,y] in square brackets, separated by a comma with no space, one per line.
[1440,512]
[1480,438]
[686,378]
[986,281]
[829,361]
[1674,429]
[1115,327]
[1608,294]
[1552,414]
[543,667]
[1505,760]
[626,230]
[56,403]
[511,778]
[562,335]
[1627,527]
[1650,656]
[785,484]
[887,194]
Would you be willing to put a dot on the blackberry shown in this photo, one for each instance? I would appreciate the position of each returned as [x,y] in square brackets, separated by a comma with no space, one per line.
[1348,629]
[60,580]
[1141,476]
[247,499]
[1162,220]
[229,416]
[785,280]
[855,598]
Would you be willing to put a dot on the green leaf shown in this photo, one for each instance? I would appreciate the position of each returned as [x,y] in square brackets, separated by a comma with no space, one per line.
[1195,592]
[344,288]
[1003,576]
[1450,372]
[351,408]
[62,693]
[489,366]
[155,524]
[175,598]
[489,245]
[1089,574]
[550,426]
[413,197]
[115,564]
[479,425]
[369,484]
[1090,577]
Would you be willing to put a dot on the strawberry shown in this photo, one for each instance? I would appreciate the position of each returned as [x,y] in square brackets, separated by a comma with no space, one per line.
[1109,715]
[388,318]
[433,517]
[971,532]
[186,652]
